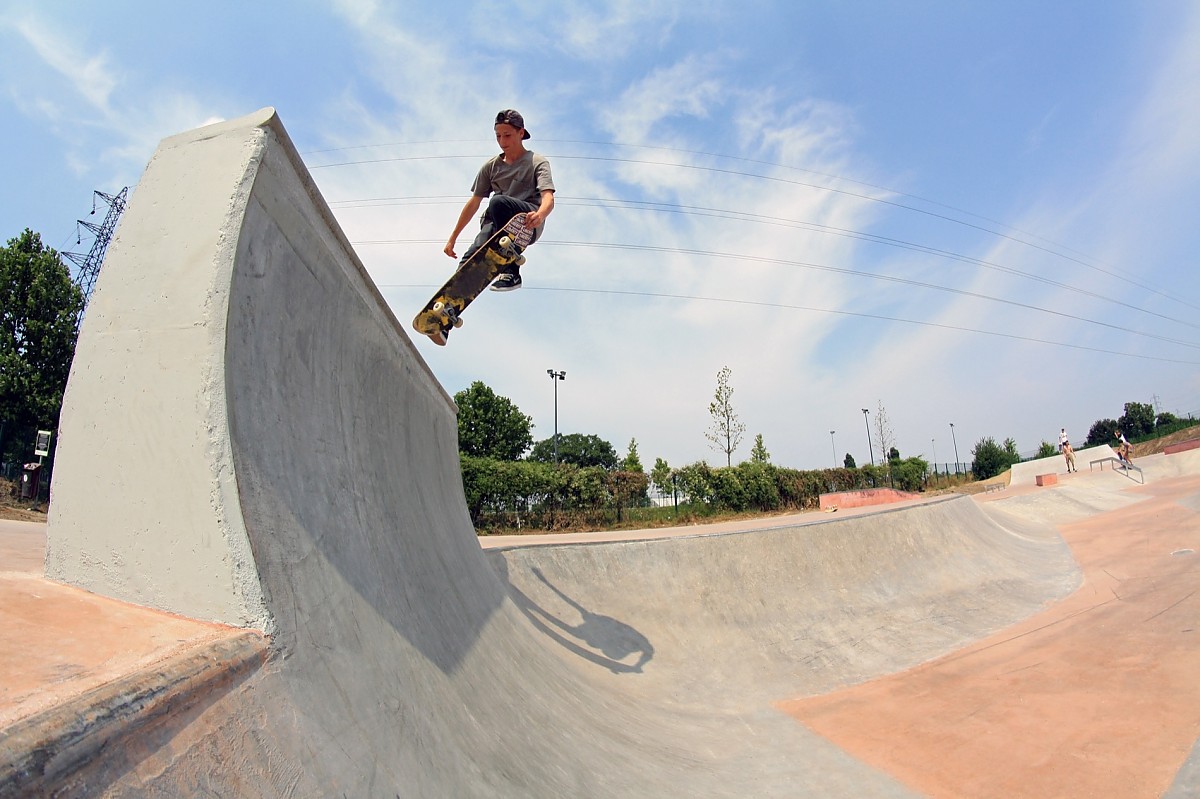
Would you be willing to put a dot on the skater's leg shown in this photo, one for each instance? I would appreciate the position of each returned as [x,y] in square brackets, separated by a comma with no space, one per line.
[500,209]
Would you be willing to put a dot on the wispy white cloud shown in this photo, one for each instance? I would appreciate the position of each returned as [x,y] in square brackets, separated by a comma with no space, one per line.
[107,118]
[91,78]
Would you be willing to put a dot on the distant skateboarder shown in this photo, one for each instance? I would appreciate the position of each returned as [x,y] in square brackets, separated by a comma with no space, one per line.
[1069,456]
[1124,450]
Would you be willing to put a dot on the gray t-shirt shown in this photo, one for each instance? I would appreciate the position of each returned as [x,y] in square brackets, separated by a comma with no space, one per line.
[524,180]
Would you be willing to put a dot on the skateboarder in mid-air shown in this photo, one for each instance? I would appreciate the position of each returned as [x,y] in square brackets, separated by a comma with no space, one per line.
[517,180]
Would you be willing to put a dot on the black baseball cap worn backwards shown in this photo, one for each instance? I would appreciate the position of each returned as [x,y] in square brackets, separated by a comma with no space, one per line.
[514,118]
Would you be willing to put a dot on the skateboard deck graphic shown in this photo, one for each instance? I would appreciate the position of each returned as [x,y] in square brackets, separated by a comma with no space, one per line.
[444,310]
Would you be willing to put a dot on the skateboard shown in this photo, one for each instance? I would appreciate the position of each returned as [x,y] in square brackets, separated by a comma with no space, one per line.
[444,311]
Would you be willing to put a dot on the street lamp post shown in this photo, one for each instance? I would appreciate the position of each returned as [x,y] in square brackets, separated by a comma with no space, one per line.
[955,440]
[870,448]
[556,376]
[834,446]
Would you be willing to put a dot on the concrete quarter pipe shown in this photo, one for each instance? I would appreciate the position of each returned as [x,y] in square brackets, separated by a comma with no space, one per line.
[249,437]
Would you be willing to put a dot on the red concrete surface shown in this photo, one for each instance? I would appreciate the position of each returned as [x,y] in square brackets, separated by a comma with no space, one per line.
[1097,696]
[864,498]
[57,642]
[1183,446]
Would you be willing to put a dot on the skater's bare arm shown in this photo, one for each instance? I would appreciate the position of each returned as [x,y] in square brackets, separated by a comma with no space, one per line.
[535,218]
[464,219]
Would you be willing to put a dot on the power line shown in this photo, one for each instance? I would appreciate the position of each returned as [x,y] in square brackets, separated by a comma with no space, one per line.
[829,269]
[780,221]
[791,307]
[1057,251]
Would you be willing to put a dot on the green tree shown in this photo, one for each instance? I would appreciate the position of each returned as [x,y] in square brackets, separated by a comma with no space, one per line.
[727,431]
[1138,419]
[627,488]
[760,484]
[1047,450]
[491,426]
[578,450]
[661,476]
[849,462]
[990,459]
[909,474]
[695,482]
[632,462]
[39,308]
[759,453]
[1103,432]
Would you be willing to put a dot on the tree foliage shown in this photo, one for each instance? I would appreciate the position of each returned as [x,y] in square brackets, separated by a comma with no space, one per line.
[39,308]
[632,462]
[908,474]
[536,493]
[542,494]
[1103,431]
[990,459]
[1138,419]
[661,475]
[578,450]
[1165,419]
[727,430]
[759,453]
[491,426]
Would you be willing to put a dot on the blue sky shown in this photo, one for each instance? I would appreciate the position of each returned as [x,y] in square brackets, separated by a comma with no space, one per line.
[978,213]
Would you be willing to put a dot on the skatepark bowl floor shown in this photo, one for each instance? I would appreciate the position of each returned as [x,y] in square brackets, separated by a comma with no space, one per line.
[1094,693]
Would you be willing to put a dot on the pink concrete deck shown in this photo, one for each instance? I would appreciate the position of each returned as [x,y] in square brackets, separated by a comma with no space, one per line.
[1097,696]
[59,642]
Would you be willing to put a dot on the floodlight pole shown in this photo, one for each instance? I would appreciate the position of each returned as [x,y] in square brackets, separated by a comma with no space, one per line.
[556,376]
[955,440]
[870,448]
[834,446]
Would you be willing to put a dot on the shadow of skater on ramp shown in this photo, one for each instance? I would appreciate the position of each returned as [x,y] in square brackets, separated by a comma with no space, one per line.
[597,638]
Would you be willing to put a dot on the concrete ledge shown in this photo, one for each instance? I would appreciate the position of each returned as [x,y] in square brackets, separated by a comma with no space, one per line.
[1182,446]
[39,753]
[867,496]
[1046,479]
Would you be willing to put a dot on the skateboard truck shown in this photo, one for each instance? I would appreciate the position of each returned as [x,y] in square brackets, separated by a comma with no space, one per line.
[450,312]
[505,243]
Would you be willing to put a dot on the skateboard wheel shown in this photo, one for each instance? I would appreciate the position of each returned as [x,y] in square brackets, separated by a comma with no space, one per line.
[504,241]
[438,306]
[458,321]
[520,260]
